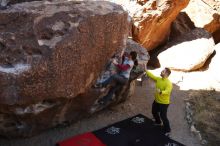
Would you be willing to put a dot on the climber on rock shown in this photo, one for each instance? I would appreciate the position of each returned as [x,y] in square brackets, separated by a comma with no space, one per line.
[121,78]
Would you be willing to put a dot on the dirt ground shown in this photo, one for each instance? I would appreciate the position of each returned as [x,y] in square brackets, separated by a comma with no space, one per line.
[140,102]
[206,114]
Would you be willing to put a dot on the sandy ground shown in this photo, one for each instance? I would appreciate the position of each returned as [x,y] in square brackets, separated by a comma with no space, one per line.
[140,102]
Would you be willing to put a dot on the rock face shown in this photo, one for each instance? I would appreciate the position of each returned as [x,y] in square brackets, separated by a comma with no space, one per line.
[152,21]
[4,3]
[127,90]
[205,14]
[187,52]
[143,56]
[50,55]
[181,25]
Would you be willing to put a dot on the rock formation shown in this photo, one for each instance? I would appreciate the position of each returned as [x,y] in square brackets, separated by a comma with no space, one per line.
[50,55]
[187,52]
[153,19]
[181,25]
[205,14]
[5,3]
[127,90]
[143,55]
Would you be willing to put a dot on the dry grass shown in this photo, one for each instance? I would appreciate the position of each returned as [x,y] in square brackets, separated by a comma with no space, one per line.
[206,107]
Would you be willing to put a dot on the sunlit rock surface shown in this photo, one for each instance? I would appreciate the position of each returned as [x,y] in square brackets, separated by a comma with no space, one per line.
[50,55]
[205,14]
[187,52]
[153,19]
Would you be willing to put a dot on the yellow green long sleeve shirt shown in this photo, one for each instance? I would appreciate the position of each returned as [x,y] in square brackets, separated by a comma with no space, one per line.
[164,85]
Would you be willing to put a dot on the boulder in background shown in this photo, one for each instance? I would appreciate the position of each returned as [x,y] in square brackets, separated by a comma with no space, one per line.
[181,26]
[187,52]
[152,21]
[205,14]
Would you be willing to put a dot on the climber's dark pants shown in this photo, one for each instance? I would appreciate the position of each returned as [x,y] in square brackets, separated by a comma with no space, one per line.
[119,81]
[160,111]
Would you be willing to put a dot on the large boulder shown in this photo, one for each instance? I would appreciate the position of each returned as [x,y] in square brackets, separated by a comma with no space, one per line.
[152,21]
[205,14]
[50,55]
[187,52]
